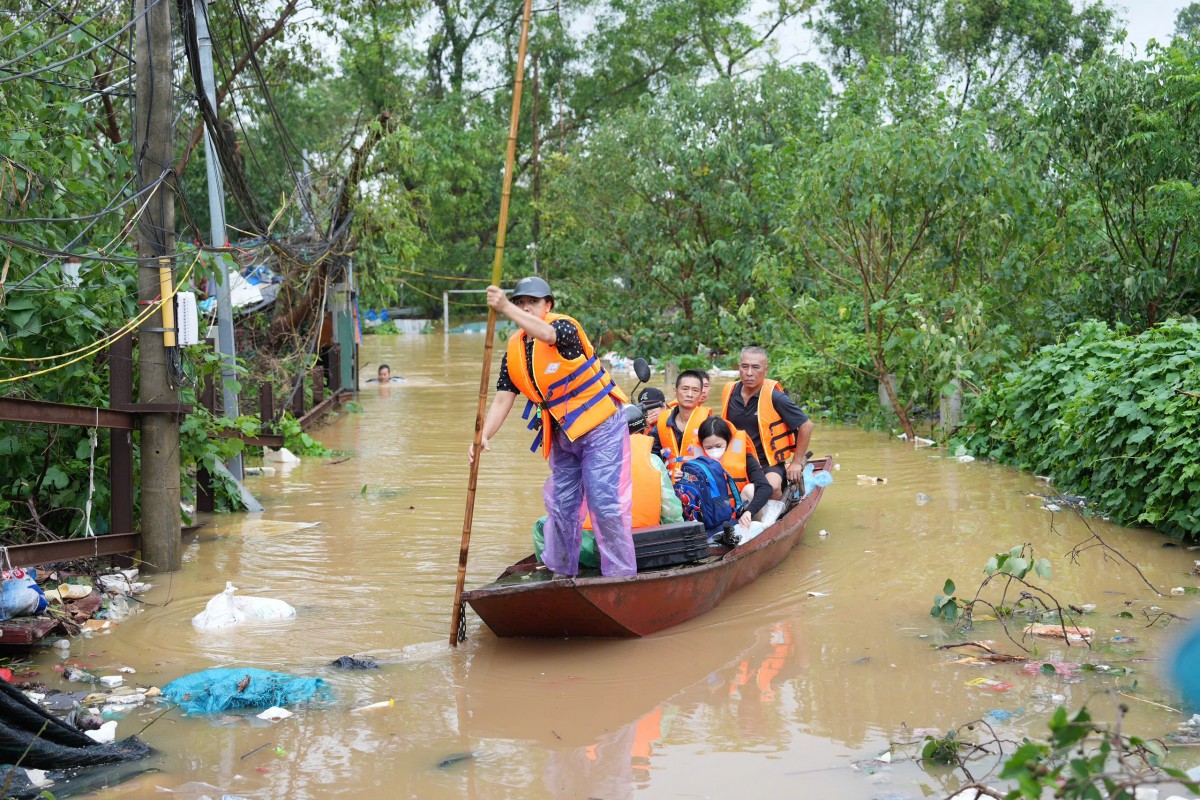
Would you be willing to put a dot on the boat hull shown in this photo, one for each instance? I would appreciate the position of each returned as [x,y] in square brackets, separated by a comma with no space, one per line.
[523,603]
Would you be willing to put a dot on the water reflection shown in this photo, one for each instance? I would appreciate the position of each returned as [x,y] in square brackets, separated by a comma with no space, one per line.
[790,682]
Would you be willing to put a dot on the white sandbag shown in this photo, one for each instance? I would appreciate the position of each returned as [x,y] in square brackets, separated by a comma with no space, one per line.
[227,610]
[264,608]
[221,612]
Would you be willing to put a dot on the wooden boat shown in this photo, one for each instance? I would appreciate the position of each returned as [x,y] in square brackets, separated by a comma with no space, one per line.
[525,601]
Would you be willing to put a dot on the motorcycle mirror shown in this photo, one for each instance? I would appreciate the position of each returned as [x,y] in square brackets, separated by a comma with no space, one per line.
[641,369]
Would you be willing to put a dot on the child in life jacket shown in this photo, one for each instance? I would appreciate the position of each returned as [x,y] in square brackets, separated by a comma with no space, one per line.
[735,451]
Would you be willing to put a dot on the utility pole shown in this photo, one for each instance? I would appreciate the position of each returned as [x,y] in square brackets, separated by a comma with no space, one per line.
[154,152]
[216,215]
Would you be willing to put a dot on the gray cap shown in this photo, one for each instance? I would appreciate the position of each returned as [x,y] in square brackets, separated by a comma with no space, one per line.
[532,286]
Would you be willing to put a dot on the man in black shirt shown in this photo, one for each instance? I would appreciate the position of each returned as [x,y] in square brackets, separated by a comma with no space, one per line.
[779,429]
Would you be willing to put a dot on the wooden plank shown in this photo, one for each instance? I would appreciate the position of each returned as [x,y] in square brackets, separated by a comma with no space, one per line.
[25,630]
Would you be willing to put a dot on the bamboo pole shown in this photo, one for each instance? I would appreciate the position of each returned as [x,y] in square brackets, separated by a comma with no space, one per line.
[457,632]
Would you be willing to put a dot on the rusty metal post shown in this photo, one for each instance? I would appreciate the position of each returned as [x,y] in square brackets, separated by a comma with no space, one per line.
[205,496]
[120,443]
[297,404]
[266,407]
[335,369]
[318,381]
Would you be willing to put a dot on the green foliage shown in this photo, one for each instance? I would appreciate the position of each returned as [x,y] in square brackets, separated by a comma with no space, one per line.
[299,442]
[200,444]
[946,605]
[1085,760]
[661,222]
[1133,175]
[944,750]
[1108,415]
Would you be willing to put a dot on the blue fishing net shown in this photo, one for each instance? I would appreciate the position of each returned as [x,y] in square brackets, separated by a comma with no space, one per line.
[213,690]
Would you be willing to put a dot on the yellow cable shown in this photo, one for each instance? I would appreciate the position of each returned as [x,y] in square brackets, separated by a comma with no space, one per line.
[102,344]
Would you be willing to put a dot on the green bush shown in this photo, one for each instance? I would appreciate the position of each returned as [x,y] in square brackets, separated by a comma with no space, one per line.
[1110,417]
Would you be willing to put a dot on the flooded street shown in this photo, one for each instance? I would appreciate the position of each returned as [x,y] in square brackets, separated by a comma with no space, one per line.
[793,685]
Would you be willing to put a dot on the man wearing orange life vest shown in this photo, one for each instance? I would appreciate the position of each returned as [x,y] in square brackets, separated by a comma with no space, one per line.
[577,414]
[779,429]
[674,434]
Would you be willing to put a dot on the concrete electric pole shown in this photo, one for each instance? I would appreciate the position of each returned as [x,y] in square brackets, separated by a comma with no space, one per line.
[154,153]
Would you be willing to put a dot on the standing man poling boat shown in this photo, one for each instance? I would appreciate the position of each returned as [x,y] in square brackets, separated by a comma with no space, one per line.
[582,432]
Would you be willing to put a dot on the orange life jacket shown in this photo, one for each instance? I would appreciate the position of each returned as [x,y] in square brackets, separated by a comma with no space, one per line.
[734,458]
[647,484]
[778,441]
[676,449]
[577,392]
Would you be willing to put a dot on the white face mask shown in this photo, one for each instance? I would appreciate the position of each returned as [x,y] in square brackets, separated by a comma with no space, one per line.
[715,452]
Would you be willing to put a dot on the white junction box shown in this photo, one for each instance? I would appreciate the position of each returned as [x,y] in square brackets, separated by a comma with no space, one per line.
[187,319]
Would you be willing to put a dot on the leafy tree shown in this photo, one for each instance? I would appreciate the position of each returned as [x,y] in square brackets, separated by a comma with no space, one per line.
[986,48]
[1187,21]
[658,225]
[916,220]
[1139,168]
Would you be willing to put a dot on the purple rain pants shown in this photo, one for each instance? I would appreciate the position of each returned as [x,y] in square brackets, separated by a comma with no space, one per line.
[596,465]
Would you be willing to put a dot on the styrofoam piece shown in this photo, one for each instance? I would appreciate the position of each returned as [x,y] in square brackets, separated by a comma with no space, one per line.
[106,734]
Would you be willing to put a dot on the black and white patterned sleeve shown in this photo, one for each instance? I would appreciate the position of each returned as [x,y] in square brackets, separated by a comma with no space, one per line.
[504,382]
[567,339]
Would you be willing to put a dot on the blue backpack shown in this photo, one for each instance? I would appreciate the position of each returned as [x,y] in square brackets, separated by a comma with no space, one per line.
[707,493]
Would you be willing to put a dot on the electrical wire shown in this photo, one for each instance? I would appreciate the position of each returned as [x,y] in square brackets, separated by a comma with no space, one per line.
[432,276]
[141,317]
[63,35]
[19,75]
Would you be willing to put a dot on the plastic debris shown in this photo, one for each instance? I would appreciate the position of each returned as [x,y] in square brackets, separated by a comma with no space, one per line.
[105,734]
[456,758]
[213,690]
[990,684]
[350,662]
[1063,669]
[871,480]
[111,680]
[1072,633]
[823,533]
[382,704]
[275,713]
[1000,715]
[923,498]
[226,610]
[20,595]
[281,456]
[1178,590]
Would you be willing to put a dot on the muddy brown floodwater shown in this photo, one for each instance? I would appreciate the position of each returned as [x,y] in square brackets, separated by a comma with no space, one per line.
[793,686]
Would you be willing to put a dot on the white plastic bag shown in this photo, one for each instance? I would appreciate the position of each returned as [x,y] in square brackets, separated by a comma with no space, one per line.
[221,612]
[226,610]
